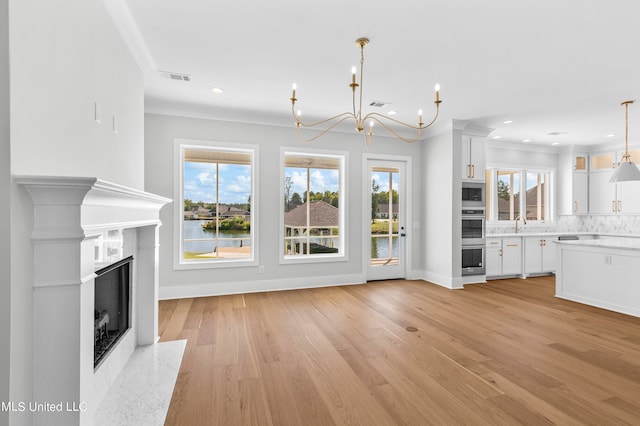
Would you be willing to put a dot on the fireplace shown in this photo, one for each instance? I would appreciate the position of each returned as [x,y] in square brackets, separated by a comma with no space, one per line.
[112,307]
[75,224]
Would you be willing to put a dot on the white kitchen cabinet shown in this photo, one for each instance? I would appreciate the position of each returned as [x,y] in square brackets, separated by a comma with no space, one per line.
[573,182]
[504,257]
[539,255]
[580,192]
[493,257]
[473,158]
[612,198]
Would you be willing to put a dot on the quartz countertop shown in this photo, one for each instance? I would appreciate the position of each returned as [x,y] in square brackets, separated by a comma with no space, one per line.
[626,243]
[534,234]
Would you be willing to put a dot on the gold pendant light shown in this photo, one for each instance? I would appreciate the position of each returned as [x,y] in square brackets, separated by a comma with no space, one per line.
[626,170]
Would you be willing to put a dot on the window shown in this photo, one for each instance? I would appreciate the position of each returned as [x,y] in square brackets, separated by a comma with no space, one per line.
[536,196]
[511,192]
[313,206]
[216,209]
[508,192]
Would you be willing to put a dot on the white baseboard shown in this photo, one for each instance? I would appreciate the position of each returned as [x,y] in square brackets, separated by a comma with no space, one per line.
[219,289]
[453,283]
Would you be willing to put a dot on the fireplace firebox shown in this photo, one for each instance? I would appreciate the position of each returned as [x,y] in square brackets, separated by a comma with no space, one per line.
[112,307]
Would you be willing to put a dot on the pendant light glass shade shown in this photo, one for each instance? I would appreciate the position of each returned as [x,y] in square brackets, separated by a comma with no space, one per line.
[626,170]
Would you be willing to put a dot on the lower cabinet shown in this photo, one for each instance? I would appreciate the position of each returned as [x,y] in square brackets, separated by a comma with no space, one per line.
[504,256]
[539,255]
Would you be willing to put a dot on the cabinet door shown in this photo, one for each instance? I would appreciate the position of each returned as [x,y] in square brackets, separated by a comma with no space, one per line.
[549,254]
[603,161]
[511,256]
[532,255]
[473,159]
[580,191]
[477,159]
[466,157]
[602,194]
[580,163]
[628,197]
[494,257]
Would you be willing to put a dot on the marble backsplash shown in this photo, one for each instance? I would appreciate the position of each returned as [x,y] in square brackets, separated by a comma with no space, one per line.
[617,225]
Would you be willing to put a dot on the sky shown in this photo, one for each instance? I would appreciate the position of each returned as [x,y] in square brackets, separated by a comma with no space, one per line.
[321,180]
[200,182]
[382,180]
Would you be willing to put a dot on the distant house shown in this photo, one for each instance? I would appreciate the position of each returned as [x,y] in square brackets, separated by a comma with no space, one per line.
[230,211]
[383,211]
[531,206]
[197,213]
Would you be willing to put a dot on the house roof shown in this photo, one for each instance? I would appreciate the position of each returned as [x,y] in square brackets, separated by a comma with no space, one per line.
[321,214]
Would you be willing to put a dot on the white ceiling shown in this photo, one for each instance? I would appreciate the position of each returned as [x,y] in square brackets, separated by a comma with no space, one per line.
[548,65]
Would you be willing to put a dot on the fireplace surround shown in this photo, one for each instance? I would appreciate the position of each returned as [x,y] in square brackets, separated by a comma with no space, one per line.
[71,216]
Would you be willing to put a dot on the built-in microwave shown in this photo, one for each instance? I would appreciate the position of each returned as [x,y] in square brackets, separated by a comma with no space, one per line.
[473,194]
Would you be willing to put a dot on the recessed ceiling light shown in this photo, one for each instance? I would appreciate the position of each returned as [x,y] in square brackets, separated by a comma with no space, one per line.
[555,143]
[392,112]
[507,122]
[610,135]
[496,137]
[526,140]
[217,90]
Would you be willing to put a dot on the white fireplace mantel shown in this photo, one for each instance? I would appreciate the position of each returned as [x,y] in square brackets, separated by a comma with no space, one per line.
[69,214]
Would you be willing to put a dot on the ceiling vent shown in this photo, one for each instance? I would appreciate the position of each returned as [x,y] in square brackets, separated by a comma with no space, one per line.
[175,76]
[379,104]
[556,133]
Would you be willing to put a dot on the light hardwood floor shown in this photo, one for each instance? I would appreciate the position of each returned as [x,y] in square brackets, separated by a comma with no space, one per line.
[507,352]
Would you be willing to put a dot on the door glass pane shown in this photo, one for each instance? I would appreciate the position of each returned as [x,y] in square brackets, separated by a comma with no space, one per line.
[602,161]
[384,216]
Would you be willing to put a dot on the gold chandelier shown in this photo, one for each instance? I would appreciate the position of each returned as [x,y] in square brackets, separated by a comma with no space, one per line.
[357,115]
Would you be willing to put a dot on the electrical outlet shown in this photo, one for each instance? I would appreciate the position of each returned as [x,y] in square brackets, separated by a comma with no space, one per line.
[261,269]
[113,122]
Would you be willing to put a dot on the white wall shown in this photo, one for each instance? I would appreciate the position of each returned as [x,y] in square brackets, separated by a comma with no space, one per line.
[160,132]
[64,56]
[521,156]
[5,224]
[441,162]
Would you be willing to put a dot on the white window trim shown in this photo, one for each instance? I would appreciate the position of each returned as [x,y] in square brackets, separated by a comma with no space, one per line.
[342,255]
[493,221]
[178,162]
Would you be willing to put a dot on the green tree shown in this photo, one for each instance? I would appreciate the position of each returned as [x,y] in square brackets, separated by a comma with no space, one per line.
[504,191]
[375,204]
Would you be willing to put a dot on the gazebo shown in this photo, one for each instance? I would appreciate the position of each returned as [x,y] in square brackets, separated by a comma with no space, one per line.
[311,228]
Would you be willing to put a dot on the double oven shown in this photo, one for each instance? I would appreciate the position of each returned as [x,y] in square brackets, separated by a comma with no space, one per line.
[473,229]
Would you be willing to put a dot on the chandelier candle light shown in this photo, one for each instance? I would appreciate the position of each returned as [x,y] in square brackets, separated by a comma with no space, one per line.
[357,115]
[626,170]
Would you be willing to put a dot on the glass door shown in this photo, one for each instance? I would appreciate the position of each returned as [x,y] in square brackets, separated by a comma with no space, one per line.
[387,232]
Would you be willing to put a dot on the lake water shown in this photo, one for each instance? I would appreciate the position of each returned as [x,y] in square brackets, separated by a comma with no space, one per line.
[192,230]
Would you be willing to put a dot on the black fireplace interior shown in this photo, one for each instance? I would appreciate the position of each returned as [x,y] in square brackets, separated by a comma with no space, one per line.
[112,307]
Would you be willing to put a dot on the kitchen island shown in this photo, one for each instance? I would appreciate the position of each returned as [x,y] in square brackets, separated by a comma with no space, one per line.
[602,272]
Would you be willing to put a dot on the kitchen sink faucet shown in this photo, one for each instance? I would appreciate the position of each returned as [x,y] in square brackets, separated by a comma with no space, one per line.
[524,222]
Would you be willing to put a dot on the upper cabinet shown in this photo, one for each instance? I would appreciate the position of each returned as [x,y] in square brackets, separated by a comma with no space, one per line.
[611,198]
[573,182]
[473,158]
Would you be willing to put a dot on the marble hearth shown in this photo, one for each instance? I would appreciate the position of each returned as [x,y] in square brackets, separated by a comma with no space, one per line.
[71,217]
